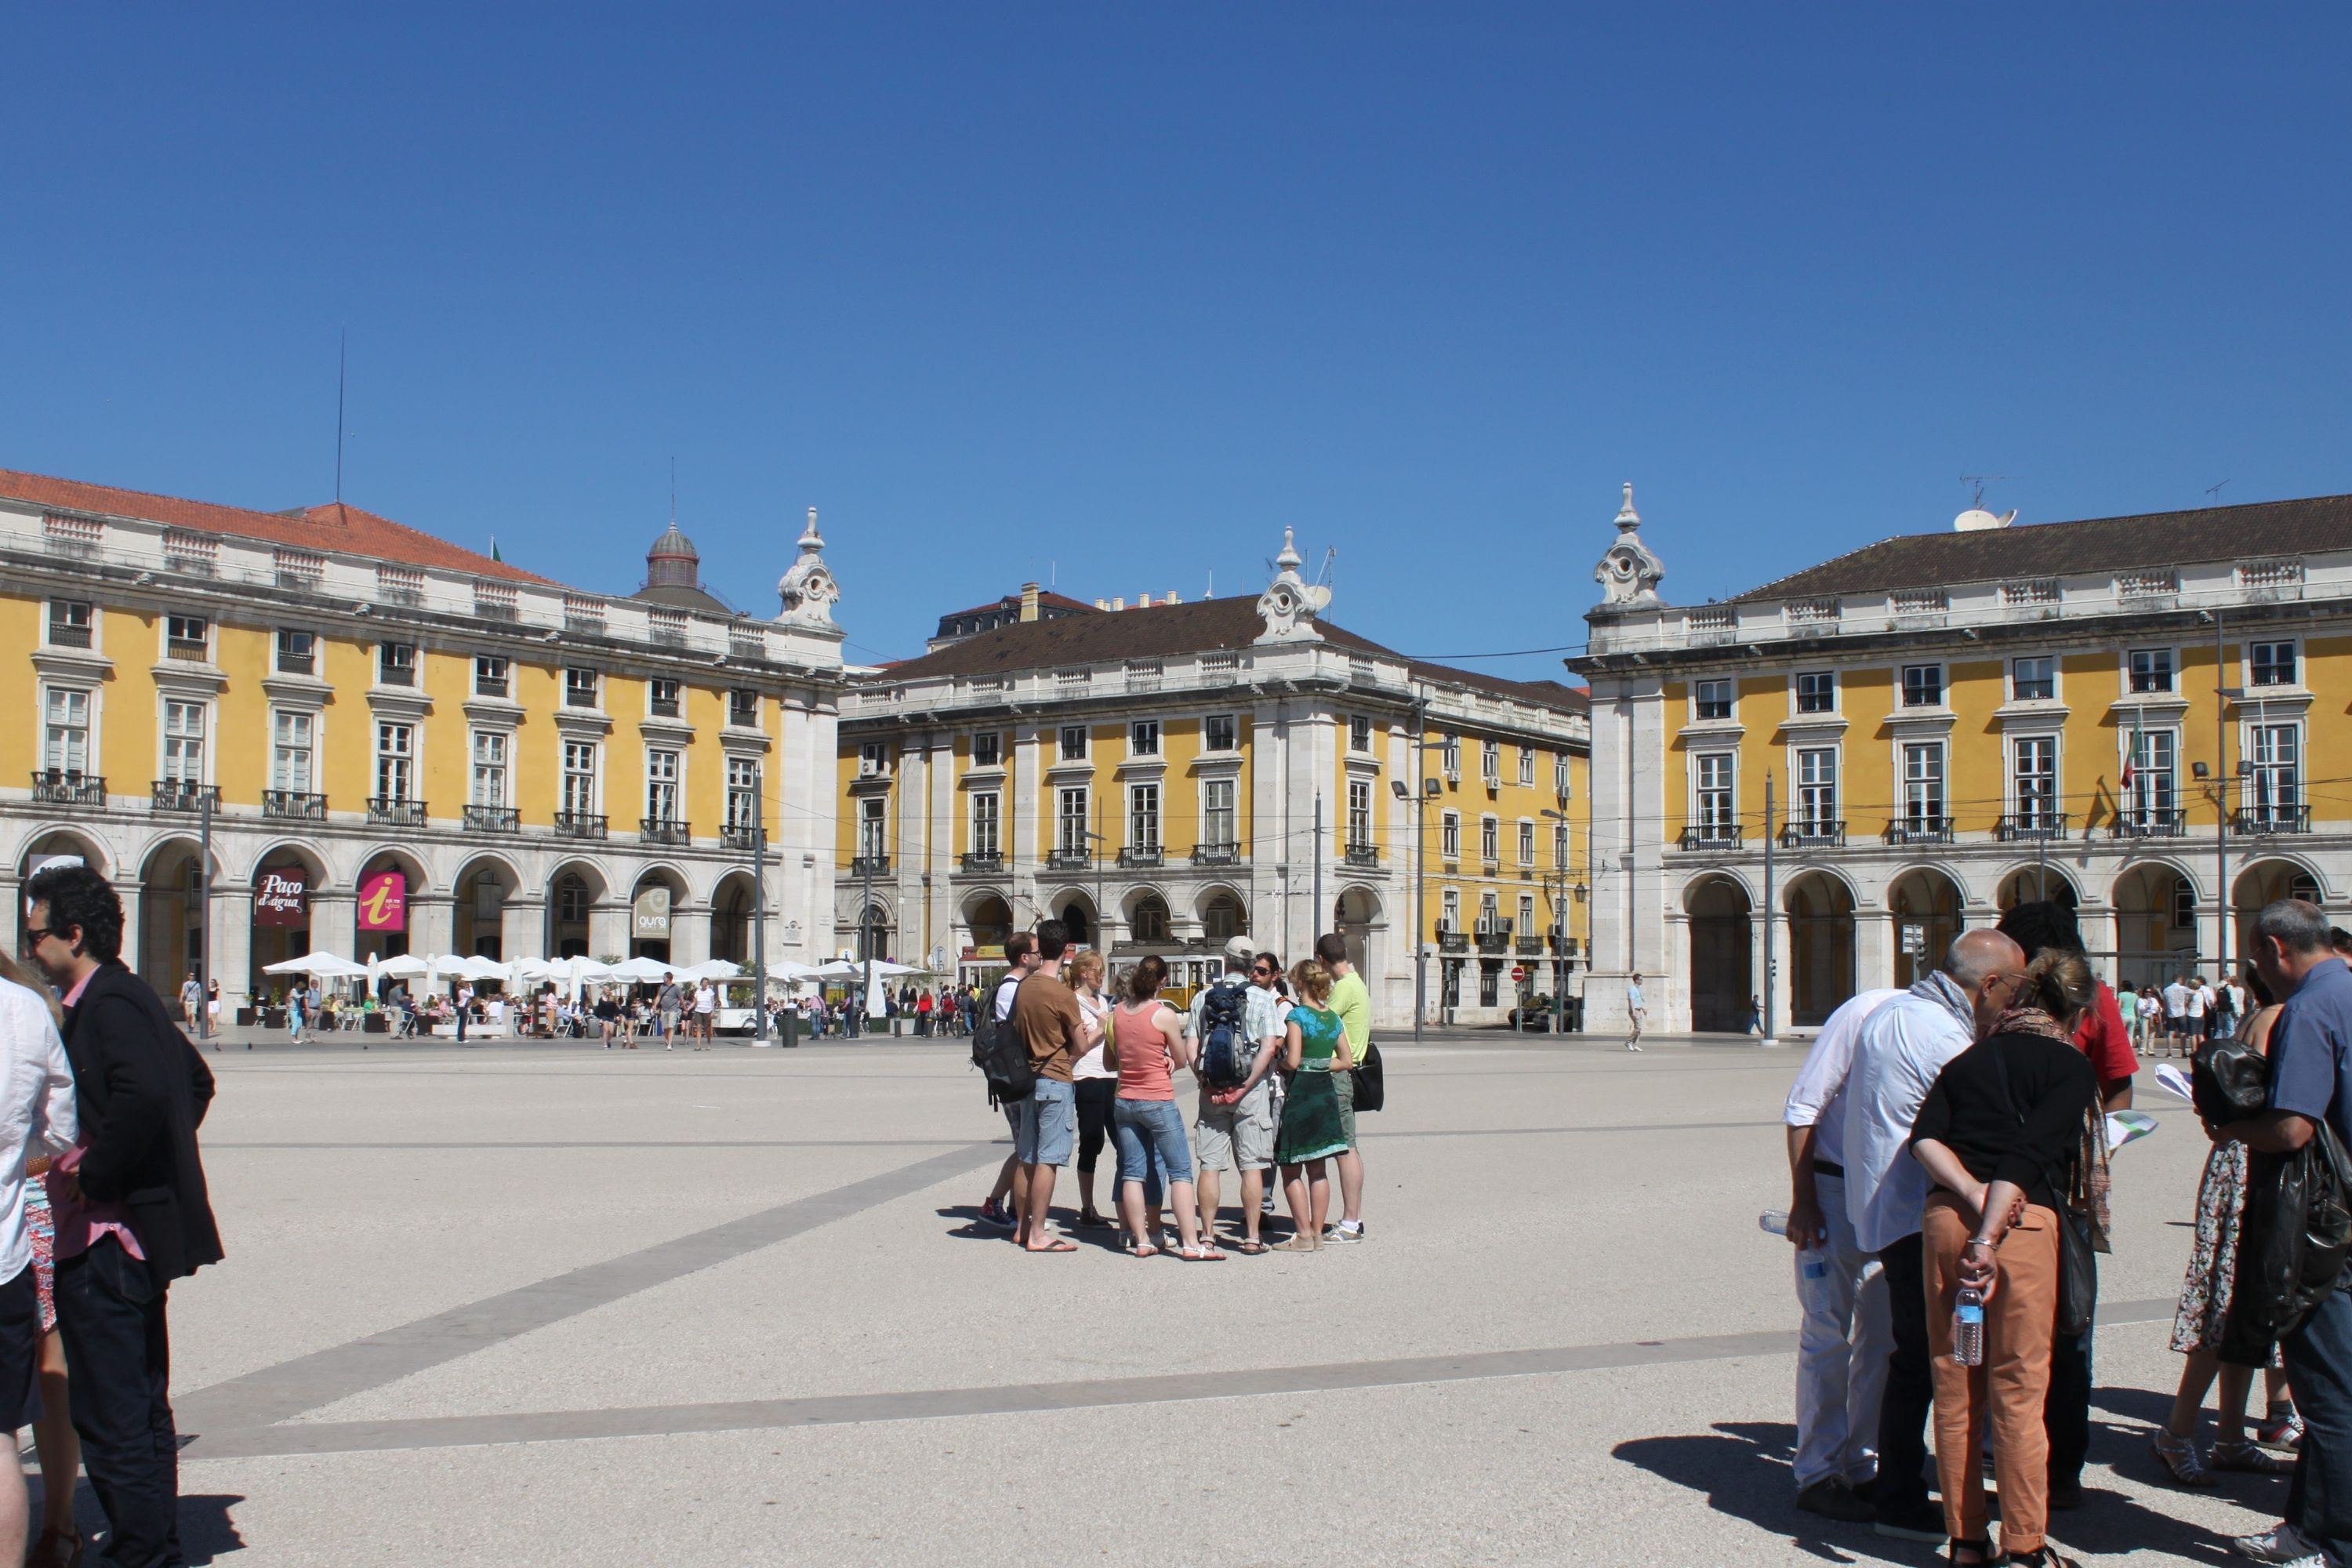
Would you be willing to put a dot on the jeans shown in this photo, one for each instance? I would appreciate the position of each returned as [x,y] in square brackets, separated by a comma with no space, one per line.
[2319,1366]
[1910,1387]
[2066,1418]
[1047,1124]
[1150,1131]
[118,1359]
[1842,1344]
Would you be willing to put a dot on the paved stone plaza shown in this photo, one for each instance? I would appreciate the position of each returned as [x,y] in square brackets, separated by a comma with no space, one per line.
[542,1304]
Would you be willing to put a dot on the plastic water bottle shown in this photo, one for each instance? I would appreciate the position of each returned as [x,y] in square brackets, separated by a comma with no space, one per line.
[1773,1222]
[1967,1327]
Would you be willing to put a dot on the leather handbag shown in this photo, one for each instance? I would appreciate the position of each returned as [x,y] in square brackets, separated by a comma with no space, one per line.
[1372,1087]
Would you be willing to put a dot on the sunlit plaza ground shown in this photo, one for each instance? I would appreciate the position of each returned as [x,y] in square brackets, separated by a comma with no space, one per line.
[527,1304]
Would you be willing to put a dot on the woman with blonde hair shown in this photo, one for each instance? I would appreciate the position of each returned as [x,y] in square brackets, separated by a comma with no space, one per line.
[1316,1045]
[1095,1083]
[2001,1135]
[1148,1044]
[54,1439]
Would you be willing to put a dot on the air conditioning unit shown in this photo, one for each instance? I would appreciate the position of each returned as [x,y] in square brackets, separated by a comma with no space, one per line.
[1453,775]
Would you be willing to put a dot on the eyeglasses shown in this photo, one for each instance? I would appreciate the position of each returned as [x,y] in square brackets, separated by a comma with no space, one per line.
[1261,969]
[33,935]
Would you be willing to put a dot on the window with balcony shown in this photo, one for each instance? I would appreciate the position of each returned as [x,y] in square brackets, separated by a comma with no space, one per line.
[664,698]
[2036,782]
[1490,839]
[184,742]
[1070,824]
[1449,835]
[490,781]
[1143,737]
[1220,732]
[1359,814]
[662,771]
[1716,813]
[580,687]
[490,674]
[988,750]
[2151,669]
[1074,743]
[298,652]
[1711,700]
[1817,791]
[2149,799]
[2274,789]
[987,809]
[1220,822]
[1490,910]
[2267,664]
[742,795]
[579,782]
[65,740]
[1359,734]
[1817,691]
[1143,818]
[70,623]
[1923,786]
[1526,925]
[291,755]
[1923,686]
[1526,843]
[2033,679]
[395,663]
[187,636]
[396,762]
[743,707]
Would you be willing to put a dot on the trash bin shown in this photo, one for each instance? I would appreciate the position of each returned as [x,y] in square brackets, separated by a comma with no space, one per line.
[788,1027]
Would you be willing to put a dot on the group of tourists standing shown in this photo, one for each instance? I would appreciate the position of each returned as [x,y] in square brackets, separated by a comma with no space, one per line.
[1948,1146]
[1279,1060]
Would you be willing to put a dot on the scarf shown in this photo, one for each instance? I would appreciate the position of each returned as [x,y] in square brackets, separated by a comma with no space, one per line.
[2092,1180]
[1944,992]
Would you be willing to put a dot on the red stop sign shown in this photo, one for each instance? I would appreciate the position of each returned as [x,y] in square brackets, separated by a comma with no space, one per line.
[1518,972]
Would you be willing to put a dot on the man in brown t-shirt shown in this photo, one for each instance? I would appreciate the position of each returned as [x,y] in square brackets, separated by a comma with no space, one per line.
[1045,1015]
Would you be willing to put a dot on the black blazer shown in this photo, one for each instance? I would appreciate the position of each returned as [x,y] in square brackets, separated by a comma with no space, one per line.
[141,1091]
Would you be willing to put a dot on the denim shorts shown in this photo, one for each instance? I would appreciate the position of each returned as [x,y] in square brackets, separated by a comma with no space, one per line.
[1048,1124]
[1149,1127]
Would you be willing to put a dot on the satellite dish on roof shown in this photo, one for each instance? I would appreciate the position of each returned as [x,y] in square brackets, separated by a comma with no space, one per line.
[1976,519]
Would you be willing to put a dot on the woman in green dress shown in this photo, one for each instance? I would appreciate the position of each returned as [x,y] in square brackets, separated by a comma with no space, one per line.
[1317,1048]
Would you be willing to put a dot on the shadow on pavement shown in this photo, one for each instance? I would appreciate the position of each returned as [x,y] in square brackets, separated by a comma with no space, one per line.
[207,1530]
[1743,1468]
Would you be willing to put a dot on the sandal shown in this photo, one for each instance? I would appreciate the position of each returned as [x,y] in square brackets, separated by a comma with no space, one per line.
[1983,1550]
[1249,1246]
[2179,1457]
[1300,1243]
[2247,1458]
[1056,1244]
[2042,1556]
[1201,1255]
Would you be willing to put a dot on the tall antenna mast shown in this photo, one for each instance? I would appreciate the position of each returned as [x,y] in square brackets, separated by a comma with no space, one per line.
[1980,481]
[343,363]
[2214,492]
[672,490]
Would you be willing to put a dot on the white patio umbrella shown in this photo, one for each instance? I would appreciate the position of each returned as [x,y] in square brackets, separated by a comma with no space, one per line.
[645,971]
[407,966]
[485,968]
[323,965]
[714,969]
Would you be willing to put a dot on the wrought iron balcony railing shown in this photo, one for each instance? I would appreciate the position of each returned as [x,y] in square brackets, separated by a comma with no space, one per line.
[299,804]
[1919,830]
[738,836]
[493,819]
[69,787]
[2150,823]
[1216,854]
[869,864]
[1494,936]
[991,863]
[1451,941]
[1816,833]
[2029,826]
[580,825]
[398,811]
[1711,836]
[1143,855]
[2262,820]
[664,830]
[1528,946]
[1069,859]
[1363,854]
[184,794]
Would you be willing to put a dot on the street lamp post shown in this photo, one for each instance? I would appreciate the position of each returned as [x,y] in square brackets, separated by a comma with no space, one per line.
[1559,926]
[760,931]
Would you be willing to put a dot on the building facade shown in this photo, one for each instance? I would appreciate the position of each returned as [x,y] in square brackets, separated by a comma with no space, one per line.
[2134,715]
[392,744]
[1164,776]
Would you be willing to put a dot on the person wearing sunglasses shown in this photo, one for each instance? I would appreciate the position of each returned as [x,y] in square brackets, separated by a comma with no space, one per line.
[1235,1124]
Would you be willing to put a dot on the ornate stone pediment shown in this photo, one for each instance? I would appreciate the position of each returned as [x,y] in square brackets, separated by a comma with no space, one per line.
[1629,575]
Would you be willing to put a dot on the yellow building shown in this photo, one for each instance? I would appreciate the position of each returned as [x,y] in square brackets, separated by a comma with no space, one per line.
[393,744]
[2128,715]
[1166,776]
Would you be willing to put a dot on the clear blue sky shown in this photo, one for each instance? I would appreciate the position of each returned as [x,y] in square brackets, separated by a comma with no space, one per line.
[1117,292]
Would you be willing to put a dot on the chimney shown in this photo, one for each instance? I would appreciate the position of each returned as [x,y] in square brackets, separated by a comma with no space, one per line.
[1102,604]
[1028,600]
[1143,601]
[1119,604]
[1171,598]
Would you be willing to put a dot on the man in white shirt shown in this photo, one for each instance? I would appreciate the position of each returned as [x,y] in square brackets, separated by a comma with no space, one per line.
[37,1116]
[1902,1048]
[1236,1126]
[1637,1012]
[1844,1339]
[2206,1009]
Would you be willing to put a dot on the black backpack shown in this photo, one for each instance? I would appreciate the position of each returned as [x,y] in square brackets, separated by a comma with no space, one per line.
[1002,1055]
[1226,1050]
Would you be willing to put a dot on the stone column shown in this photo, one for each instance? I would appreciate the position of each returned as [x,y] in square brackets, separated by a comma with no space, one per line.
[431,924]
[608,927]
[689,934]
[522,925]
[232,915]
[335,921]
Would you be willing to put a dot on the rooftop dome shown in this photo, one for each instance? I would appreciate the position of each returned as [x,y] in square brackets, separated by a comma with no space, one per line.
[673,562]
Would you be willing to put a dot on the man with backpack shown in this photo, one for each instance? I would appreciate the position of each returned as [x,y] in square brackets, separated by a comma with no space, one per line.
[1020,959]
[1045,1015]
[1237,1030]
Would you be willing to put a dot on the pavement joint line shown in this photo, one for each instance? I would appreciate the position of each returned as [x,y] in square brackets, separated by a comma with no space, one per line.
[274,1394]
[850,1409]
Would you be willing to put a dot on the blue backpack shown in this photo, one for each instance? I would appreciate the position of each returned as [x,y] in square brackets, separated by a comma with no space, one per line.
[1226,1049]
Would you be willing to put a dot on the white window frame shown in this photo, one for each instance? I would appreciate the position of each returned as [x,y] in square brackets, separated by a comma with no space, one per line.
[1080,736]
[1071,827]
[654,698]
[1528,766]
[52,729]
[1449,909]
[2171,686]
[497,769]
[281,749]
[1913,820]
[166,768]
[1359,814]
[1490,838]
[484,665]
[1232,721]
[995,739]
[581,779]
[1143,737]
[1359,734]
[665,783]
[593,686]
[1903,685]
[1797,679]
[1490,762]
[1714,804]
[987,825]
[1143,816]
[2294,660]
[1706,693]
[1527,841]
[2156,785]
[2262,793]
[1813,802]
[744,784]
[2016,686]
[1212,813]
[90,623]
[2018,808]
[1449,835]
[414,666]
[163,628]
[396,762]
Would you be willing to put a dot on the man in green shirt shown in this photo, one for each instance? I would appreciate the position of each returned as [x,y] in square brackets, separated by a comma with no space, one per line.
[1353,1003]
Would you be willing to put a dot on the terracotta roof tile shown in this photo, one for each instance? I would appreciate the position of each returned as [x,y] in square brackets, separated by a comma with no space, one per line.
[336,526]
[2074,549]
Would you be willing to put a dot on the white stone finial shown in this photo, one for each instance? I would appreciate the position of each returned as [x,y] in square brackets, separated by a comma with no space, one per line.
[1629,575]
[1289,561]
[1290,604]
[807,588]
[810,541]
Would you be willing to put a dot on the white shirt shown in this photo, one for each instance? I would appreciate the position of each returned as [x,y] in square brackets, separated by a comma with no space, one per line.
[2175,1001]
[2197,999]
[37,1110]
[1006,989]
[705,998]
[1817,1100]
[2237,995]
[1634,1001]
[1903,1046]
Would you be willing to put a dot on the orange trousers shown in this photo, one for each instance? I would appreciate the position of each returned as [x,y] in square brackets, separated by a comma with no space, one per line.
[2010,1389]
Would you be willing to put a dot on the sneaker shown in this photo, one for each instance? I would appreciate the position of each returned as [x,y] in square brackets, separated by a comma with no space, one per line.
[1833,1498]
[2283,1544]
[996,1215]
[1344,1233]
[1922,1523]
[2282,1431]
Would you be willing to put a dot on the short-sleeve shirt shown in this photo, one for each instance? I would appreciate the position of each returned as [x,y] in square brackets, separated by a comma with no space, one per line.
[1634,1001]
[1353,1003]
[1266,1014]
[705,999]
[2127,1003]
[2176,1000]
[2103,1036]
[667,999]
[2311,1048]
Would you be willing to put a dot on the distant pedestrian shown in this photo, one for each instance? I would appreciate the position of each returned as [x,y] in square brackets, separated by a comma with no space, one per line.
[464,999]
[706,1011]
[131,1205]
[1637,1012]
[212,1012]
[666,1003]
[192,1002]
[294,1016]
